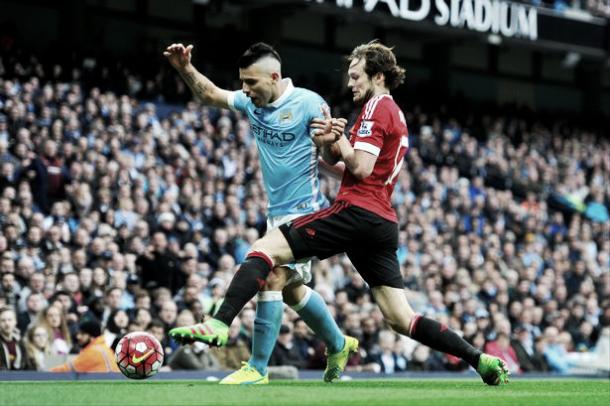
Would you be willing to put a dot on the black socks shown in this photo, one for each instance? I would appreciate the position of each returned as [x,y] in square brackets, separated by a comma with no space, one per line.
[248,280]
[441,338]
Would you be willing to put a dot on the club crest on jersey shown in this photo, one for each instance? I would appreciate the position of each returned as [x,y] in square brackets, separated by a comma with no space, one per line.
[285,117]
[366,128]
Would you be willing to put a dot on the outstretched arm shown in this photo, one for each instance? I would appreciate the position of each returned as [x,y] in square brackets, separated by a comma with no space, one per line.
[179,57]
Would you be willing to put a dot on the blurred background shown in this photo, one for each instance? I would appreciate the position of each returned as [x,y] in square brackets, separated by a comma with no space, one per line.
[126,203]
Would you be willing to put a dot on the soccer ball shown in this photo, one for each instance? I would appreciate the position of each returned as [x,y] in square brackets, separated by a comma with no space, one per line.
[139,355]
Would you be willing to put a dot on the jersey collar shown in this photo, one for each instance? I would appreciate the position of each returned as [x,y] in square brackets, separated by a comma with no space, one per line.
[289,88]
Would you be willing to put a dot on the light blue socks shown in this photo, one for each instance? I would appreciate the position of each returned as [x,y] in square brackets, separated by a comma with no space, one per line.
[314,312]
[269,310]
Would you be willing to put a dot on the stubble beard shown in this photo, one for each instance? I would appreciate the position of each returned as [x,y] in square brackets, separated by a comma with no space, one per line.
[366,97]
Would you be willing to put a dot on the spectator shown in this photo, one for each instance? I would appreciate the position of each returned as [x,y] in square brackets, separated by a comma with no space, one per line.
[168,314]
[187,295]
[95,309]
[423,359]
[143,316]
[52,319]
[25,270]
[285,351]
[352,324]
[197,309]
[71,284]
[34,305]
[388,361]
[99,282]
[370,335]
[94,356]
[555,352]
[523,344]
[157,329]
[112,303]
[583,337]
[116,327]
[194,357]
[38,347]
[212,302]
[35,286]
[49,176]
[10,288]
[304,339]
[142,300]
[220,244]
[158,267]
[539,360]
[501,347]
[236,351]
[247,317]
[13,355]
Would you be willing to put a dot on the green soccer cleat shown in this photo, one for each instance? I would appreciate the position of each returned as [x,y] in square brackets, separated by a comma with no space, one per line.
[212,332]
[493,370]
[246,375]
[335,363]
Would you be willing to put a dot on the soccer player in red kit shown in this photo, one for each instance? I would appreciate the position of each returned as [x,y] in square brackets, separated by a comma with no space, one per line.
[361,222]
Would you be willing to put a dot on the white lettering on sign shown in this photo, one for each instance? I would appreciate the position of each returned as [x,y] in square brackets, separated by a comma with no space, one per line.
[493,16]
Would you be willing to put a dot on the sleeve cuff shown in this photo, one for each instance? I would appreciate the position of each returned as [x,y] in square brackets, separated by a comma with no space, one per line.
[231,101]
[365,146]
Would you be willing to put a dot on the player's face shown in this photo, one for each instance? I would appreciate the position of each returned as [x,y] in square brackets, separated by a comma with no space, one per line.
[257,84]
[359,82]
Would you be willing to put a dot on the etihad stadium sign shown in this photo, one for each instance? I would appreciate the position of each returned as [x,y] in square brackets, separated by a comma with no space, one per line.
[504,18]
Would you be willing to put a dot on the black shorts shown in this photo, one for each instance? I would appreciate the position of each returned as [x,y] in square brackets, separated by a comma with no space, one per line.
[369,240]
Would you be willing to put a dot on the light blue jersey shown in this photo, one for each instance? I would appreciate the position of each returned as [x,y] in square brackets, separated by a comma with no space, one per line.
[287,154]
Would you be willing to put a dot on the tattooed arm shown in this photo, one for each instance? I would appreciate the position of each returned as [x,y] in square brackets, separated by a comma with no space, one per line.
[179,57]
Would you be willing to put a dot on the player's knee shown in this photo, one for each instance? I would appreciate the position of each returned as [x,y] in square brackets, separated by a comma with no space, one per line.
[400,327]
[399,323]
[277,278]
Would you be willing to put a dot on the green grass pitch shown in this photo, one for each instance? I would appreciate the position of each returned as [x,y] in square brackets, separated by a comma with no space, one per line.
[430,392]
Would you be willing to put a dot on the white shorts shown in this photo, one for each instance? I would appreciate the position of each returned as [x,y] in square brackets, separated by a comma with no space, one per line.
[301,270]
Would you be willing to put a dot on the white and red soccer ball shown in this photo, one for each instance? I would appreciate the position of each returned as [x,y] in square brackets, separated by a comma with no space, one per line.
[139,355]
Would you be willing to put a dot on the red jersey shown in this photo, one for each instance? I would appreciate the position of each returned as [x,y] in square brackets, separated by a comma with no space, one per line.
[381,129]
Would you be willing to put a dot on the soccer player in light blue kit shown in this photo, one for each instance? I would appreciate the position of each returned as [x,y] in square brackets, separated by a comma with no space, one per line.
[280,116]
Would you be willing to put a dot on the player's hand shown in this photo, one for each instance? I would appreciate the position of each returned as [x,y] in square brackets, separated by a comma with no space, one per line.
[178,55]
[338,127]
[327,131]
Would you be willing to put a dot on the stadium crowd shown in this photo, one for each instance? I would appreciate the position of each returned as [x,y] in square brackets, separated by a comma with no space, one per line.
[116,214]
[599,8]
